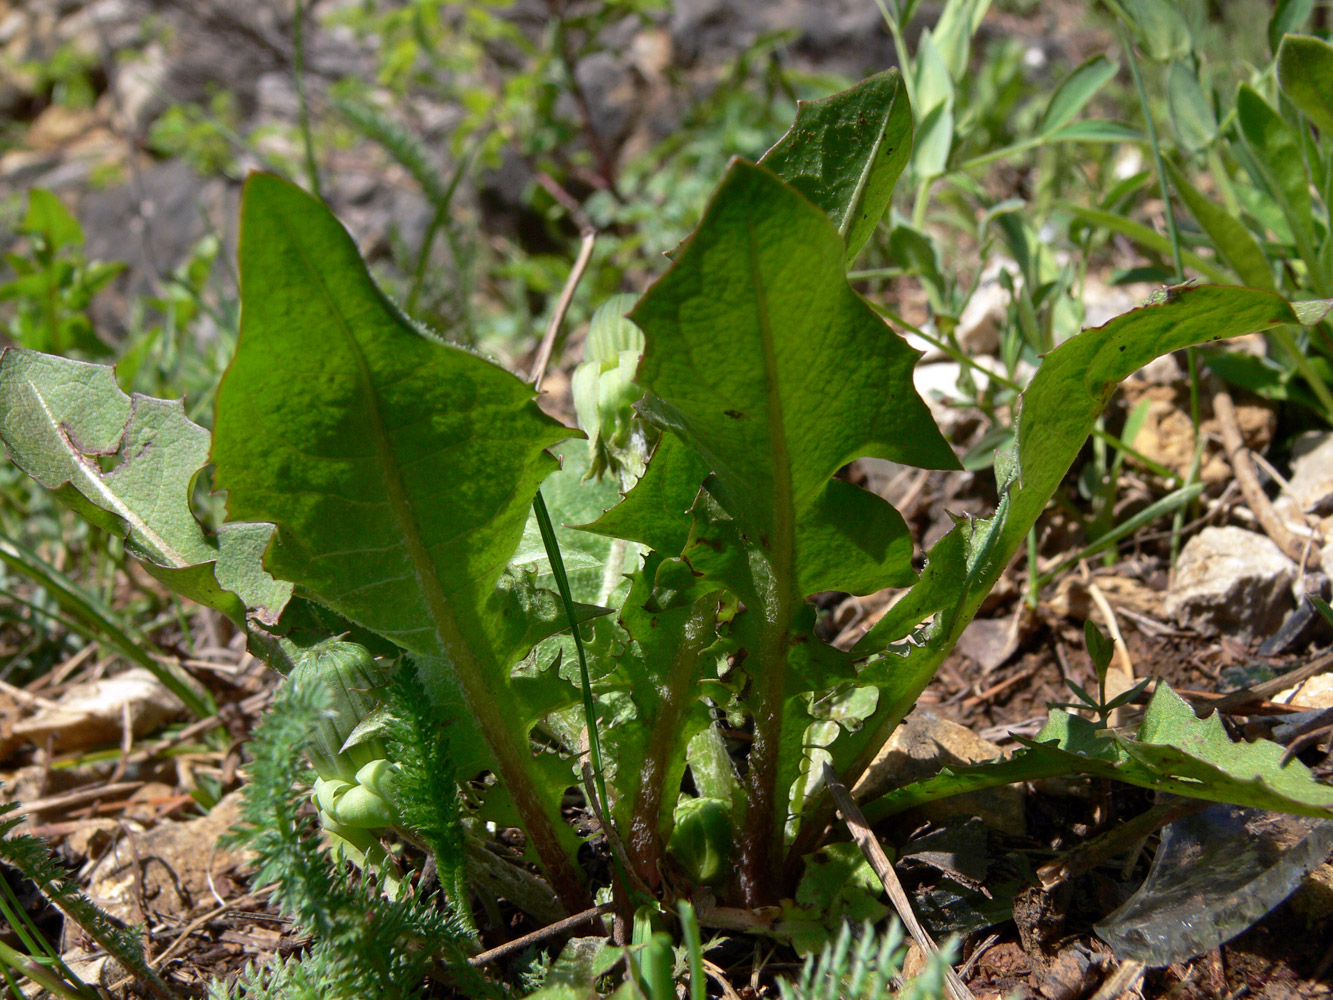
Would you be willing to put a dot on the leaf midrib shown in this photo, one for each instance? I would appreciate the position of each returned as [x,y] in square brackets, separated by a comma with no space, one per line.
[446,628]
[864,179]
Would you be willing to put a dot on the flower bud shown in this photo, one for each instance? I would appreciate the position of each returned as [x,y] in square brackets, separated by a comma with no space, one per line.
[604,389]
[349,677]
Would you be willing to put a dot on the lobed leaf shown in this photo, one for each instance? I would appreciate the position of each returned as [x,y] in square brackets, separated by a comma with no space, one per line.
[807,378]
[60,419]
[845,153]
[1173,751]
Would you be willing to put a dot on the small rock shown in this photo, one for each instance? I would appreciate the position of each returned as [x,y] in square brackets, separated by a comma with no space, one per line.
[93,836]
[608,86]
[1315,692]
[1167,434]
[1231,581]
[1307,500]
[920,748]
[139,88]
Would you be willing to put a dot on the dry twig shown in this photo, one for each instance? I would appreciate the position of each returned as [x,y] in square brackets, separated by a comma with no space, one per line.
[879,861]
[1301,550]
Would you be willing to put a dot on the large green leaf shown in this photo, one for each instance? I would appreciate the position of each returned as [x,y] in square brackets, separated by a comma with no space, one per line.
[60,419]
[762,359]
[1234,243]
[845,153]
[1277,160]
[1074,91]
[1057,412]
[764,362]
[1288,15]
[398,470]
[1190,106]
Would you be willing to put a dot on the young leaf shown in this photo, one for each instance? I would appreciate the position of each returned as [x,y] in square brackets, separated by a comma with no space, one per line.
[1191,110]
[1161,27]
[1074,91]
[845,153]
[656,511]
[1100,649]
[1125,697]
[58,418]
[1277,157]
[1288,16]
[1305,73]
[958,24]
[399,470]
[48,218]
[1233,242]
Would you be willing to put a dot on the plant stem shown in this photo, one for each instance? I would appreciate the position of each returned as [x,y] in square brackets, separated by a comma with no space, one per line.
[900,49]
[41,975]
[552,545]
[302,108]
[1151,129]
[644,843]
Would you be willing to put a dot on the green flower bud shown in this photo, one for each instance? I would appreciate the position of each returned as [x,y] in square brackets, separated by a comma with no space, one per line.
[701,840]
[610,334]
[363,849]
[360,807]
[604,389]
[349,676]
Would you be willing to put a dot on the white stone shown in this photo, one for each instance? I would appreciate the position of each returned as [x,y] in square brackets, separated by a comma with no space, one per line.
[1231,581]
[987,308]
[1311,476]
[938,385]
